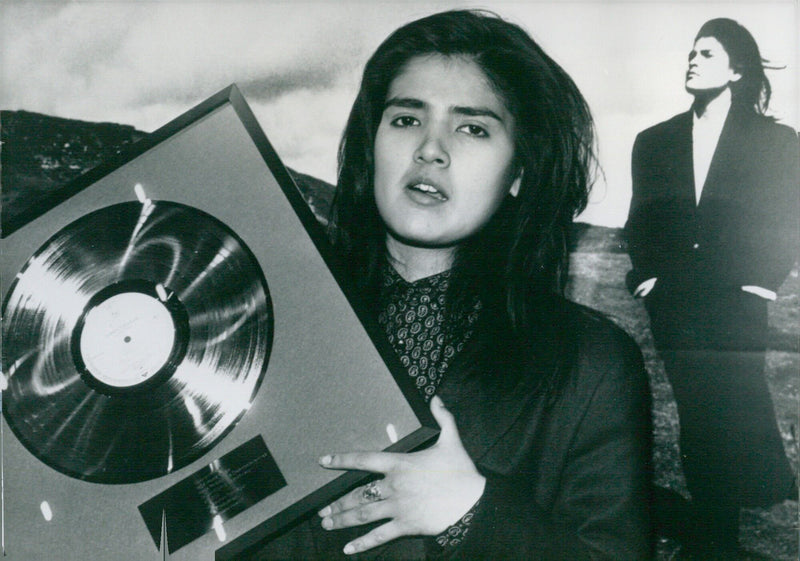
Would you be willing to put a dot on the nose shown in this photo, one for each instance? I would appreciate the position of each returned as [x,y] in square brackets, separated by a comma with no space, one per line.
[432,151]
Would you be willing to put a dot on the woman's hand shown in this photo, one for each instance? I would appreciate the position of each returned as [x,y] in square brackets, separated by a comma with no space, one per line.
[420,494]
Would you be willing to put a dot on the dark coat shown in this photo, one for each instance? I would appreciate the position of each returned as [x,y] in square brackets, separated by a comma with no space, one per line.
[567,478]
[744,231]
[711,334]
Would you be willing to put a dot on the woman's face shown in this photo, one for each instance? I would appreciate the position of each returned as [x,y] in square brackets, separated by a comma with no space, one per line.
[709,67]
[444,153]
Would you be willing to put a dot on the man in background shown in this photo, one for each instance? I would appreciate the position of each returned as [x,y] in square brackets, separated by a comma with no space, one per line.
[712,233]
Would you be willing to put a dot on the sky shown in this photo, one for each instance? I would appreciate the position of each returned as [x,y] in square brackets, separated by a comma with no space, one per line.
[298,64]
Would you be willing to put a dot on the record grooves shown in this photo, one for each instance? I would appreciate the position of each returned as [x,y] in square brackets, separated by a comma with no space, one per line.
[133,341]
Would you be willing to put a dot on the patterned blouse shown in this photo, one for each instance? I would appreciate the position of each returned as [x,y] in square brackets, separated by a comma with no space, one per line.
[413,317]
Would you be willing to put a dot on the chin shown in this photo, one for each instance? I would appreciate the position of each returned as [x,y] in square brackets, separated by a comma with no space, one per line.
[423,240]
[693,87]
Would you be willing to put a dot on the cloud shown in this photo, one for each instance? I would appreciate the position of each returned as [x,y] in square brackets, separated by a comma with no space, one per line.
[126,56]
[43,55]
[305,126]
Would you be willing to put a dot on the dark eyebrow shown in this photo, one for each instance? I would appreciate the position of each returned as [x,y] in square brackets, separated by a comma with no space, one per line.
[408,102]
[477,112]
[413,103]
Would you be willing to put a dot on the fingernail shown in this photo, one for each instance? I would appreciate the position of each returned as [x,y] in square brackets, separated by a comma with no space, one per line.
[349,549]
[325,460]
[437,401]
[325,511]
[327,523]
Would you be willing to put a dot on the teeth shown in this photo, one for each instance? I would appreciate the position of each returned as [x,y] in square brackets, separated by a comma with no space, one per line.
[429,190]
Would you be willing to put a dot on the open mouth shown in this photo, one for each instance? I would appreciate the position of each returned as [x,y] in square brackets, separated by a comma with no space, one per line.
[428,190]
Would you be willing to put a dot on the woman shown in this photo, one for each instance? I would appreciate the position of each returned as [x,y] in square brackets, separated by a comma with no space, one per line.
[712,233]
[464,160]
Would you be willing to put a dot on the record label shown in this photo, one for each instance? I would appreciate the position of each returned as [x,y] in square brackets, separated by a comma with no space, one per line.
[127,339]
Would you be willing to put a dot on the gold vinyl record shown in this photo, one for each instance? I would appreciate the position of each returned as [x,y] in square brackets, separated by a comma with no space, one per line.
[133,341]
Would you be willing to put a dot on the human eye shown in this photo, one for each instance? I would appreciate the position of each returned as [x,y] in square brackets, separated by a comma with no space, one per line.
[404,121]
[473,130]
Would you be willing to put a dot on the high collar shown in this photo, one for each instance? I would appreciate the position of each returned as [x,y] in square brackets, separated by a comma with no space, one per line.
[393,278]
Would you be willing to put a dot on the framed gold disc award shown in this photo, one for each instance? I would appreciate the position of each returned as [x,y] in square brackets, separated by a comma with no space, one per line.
[179,347]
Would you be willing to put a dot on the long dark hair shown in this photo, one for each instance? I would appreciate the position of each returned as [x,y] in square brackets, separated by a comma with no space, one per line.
[752,90]
[517,263]
[523,249]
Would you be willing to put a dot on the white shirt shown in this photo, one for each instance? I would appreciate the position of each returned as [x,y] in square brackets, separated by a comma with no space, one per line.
[706,130]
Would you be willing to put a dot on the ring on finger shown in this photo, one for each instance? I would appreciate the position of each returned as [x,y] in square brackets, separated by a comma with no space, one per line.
[371,492]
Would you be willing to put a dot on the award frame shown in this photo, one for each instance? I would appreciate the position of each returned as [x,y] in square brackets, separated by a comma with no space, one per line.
[327,349]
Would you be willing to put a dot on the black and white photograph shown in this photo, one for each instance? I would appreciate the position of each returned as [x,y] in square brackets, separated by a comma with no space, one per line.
[399,280]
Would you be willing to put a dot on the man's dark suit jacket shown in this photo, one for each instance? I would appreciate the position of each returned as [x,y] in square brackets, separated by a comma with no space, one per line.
[744,231]
[713,335]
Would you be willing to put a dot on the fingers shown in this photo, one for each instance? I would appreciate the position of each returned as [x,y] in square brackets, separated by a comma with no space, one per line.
[357,516]
[369,493]
[376,462]
[446,421]
[376,537]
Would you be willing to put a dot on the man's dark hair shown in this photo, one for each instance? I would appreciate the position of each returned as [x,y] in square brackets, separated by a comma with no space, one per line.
[752,90]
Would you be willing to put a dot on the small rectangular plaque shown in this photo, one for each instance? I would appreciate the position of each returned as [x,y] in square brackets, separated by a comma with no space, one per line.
[213,494]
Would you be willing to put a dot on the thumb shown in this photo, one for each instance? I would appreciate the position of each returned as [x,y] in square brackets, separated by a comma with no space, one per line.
[446,421]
